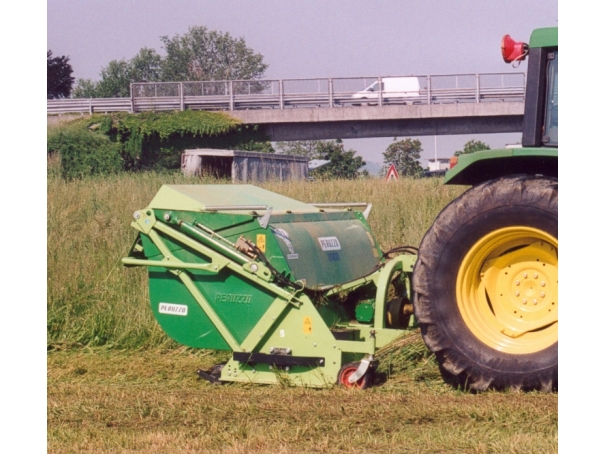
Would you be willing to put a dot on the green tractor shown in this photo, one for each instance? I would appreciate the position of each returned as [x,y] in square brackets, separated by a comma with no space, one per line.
[486,280]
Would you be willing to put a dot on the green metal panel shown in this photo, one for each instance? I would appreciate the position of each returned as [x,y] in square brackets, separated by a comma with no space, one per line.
[488,164]
[216,221]
[238,303]
[179,314]
[302,330]
[364,312]
[545,37]
[198,197]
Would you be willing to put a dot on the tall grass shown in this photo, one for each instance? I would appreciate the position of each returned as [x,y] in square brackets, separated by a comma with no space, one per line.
[94,301]
[402,210]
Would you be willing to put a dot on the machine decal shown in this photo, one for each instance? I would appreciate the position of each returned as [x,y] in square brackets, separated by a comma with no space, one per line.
[261,242]
[329,243]
[307,325]
[173,309]
[333,256]
[232,298]
[283,235]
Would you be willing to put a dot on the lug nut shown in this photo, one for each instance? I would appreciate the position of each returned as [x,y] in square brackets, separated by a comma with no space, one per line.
[543,284]
[535,301]
[524,275]
[535,275]
[517,282]
[542,295]
[524,301]
[517,293]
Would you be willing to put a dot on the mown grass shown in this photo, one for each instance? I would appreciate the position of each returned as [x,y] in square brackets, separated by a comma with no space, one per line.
[151,401]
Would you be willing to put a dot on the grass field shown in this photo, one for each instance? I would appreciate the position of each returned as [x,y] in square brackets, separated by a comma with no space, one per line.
[116,384]
[151,401]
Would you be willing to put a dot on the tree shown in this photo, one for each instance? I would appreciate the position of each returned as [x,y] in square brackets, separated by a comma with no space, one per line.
[58,76]
[203,54]
[343,163]
[146,66]
[85,88]
[115,80]
[114,83]
[472,146]
[306,148]
[200,54]
[405,154]
[117,76]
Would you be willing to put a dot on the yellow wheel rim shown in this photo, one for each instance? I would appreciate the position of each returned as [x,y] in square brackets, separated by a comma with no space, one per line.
[507,290]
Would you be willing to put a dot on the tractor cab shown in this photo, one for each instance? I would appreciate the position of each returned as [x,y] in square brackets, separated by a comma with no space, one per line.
[539,151]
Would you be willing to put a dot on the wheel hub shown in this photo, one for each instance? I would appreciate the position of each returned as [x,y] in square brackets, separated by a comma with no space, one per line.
[507,289]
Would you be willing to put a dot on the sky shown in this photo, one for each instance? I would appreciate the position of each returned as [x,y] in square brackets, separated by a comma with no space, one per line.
[314,38]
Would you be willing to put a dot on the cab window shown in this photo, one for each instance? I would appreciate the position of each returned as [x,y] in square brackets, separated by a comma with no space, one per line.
[551,118]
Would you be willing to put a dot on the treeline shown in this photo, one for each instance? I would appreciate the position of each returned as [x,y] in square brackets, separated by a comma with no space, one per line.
[200,54]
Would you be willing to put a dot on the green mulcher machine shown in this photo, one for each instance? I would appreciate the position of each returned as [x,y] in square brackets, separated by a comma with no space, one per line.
[302,293]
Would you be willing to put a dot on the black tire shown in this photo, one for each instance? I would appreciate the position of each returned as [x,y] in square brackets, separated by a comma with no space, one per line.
[489,259]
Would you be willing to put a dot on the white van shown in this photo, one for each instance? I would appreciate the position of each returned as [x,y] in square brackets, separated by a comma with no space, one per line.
[392,87]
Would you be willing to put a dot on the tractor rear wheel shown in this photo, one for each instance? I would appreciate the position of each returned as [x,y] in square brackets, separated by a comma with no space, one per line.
[486,286]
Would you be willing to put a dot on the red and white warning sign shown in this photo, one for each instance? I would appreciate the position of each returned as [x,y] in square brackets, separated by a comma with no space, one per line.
[392,173]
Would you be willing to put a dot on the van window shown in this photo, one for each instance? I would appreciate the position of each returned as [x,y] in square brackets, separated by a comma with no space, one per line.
[374,87]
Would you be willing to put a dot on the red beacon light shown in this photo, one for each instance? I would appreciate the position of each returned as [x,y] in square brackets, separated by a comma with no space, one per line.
[513,50]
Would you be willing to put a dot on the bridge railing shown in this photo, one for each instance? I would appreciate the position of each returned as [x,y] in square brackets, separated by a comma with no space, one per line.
[336,92]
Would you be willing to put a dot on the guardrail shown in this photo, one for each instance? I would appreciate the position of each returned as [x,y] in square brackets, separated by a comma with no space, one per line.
[341,92]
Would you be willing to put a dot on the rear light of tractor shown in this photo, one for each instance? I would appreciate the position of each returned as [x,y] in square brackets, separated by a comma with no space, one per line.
[453,161]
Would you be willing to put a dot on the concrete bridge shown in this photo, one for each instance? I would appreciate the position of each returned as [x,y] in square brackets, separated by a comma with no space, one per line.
[387,121]
[330,108]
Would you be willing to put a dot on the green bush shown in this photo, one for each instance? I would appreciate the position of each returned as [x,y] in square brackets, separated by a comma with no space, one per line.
[102,144]
[84,152]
